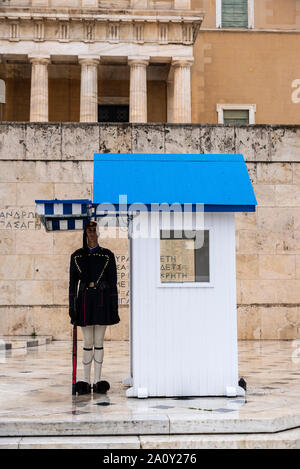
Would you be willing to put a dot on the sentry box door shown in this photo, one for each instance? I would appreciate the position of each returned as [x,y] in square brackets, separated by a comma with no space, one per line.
[183,310]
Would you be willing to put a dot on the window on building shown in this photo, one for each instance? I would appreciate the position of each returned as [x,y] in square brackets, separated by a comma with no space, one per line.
[234,13]
[184,257]
[236,116]
[113,113]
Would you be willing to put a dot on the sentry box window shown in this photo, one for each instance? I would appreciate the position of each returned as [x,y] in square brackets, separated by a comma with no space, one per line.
[184,256]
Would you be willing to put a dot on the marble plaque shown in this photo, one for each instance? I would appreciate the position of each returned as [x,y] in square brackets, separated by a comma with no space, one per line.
[177,262]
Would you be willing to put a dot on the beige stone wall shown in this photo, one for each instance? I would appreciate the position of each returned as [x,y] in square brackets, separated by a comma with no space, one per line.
[281,14]
[256,66]
[268,14]
[245,68]
[44,161]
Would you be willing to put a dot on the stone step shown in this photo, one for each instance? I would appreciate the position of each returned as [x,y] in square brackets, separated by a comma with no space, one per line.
[289,439]
[82,423]
[16,342]
[70,442]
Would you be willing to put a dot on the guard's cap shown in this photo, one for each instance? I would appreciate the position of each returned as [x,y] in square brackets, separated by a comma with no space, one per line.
[90,224]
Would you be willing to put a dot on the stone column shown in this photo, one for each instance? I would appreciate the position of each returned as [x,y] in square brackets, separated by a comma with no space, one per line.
[89,89]
[182,112]
[170,100]
[39,89]
[138,89]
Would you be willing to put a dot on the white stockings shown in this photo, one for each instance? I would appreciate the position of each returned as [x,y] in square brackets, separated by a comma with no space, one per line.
[93,336]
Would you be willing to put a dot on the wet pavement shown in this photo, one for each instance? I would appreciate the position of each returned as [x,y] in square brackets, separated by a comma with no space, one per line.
[36,400]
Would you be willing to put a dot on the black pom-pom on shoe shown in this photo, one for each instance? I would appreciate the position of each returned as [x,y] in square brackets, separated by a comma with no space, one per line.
[82,387]
[243,384]
[101,387]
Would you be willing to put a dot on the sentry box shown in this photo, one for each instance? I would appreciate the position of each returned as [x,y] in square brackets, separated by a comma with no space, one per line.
[183,324]
[179,209]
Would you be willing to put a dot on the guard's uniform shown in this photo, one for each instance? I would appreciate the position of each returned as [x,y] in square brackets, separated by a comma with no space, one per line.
[93,294]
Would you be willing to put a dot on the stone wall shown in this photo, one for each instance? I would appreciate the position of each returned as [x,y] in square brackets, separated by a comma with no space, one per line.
[46,161]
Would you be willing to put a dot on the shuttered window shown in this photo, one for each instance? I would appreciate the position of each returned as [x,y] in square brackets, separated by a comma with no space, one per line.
[234,117]
[234,13]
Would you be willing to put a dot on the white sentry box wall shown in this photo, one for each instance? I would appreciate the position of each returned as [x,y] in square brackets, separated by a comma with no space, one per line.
[184,338]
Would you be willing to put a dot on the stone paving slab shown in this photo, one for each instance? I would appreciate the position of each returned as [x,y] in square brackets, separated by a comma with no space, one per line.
[36,400]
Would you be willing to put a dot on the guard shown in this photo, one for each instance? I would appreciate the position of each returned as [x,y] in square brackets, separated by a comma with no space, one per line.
[93,303]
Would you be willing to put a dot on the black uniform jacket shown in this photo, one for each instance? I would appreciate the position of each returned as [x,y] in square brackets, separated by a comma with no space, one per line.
[98,304]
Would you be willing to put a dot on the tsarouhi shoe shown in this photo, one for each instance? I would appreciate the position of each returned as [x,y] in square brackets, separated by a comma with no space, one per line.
[82,387]
[101,387]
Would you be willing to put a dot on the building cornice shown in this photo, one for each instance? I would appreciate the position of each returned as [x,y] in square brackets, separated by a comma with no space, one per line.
[129,26]
[122,15]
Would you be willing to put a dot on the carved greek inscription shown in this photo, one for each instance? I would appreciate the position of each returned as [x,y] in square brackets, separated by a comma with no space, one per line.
[16,218]
[177,261]
[123,281]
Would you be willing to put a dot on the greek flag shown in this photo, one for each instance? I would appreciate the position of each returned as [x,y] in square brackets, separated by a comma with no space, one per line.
[64,215]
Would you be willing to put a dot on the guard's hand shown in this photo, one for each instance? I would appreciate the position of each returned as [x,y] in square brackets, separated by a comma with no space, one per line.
[73,317]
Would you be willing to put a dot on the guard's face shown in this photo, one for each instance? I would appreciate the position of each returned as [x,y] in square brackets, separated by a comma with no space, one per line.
[91,233]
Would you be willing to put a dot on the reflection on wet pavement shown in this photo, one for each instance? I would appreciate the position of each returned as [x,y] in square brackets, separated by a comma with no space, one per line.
[36,383]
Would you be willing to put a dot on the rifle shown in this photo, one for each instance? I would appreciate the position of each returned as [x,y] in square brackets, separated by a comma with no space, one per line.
[74,360]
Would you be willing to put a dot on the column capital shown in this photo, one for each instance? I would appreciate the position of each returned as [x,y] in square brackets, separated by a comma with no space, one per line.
[39,59]
[89,59]
[138,60]
[182,61]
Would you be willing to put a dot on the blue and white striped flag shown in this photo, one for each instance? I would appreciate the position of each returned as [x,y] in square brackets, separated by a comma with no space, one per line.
[64,215]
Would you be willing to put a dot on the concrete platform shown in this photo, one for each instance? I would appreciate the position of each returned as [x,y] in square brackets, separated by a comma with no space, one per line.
[37,408]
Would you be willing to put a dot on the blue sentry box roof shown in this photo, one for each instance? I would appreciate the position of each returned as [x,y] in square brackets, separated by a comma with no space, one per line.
[220,182]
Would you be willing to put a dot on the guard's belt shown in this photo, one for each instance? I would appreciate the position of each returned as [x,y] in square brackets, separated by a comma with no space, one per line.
[103,284]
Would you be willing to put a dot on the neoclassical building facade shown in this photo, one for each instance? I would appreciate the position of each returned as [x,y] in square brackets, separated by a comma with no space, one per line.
[131,76]
[85,47]
[199,61]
